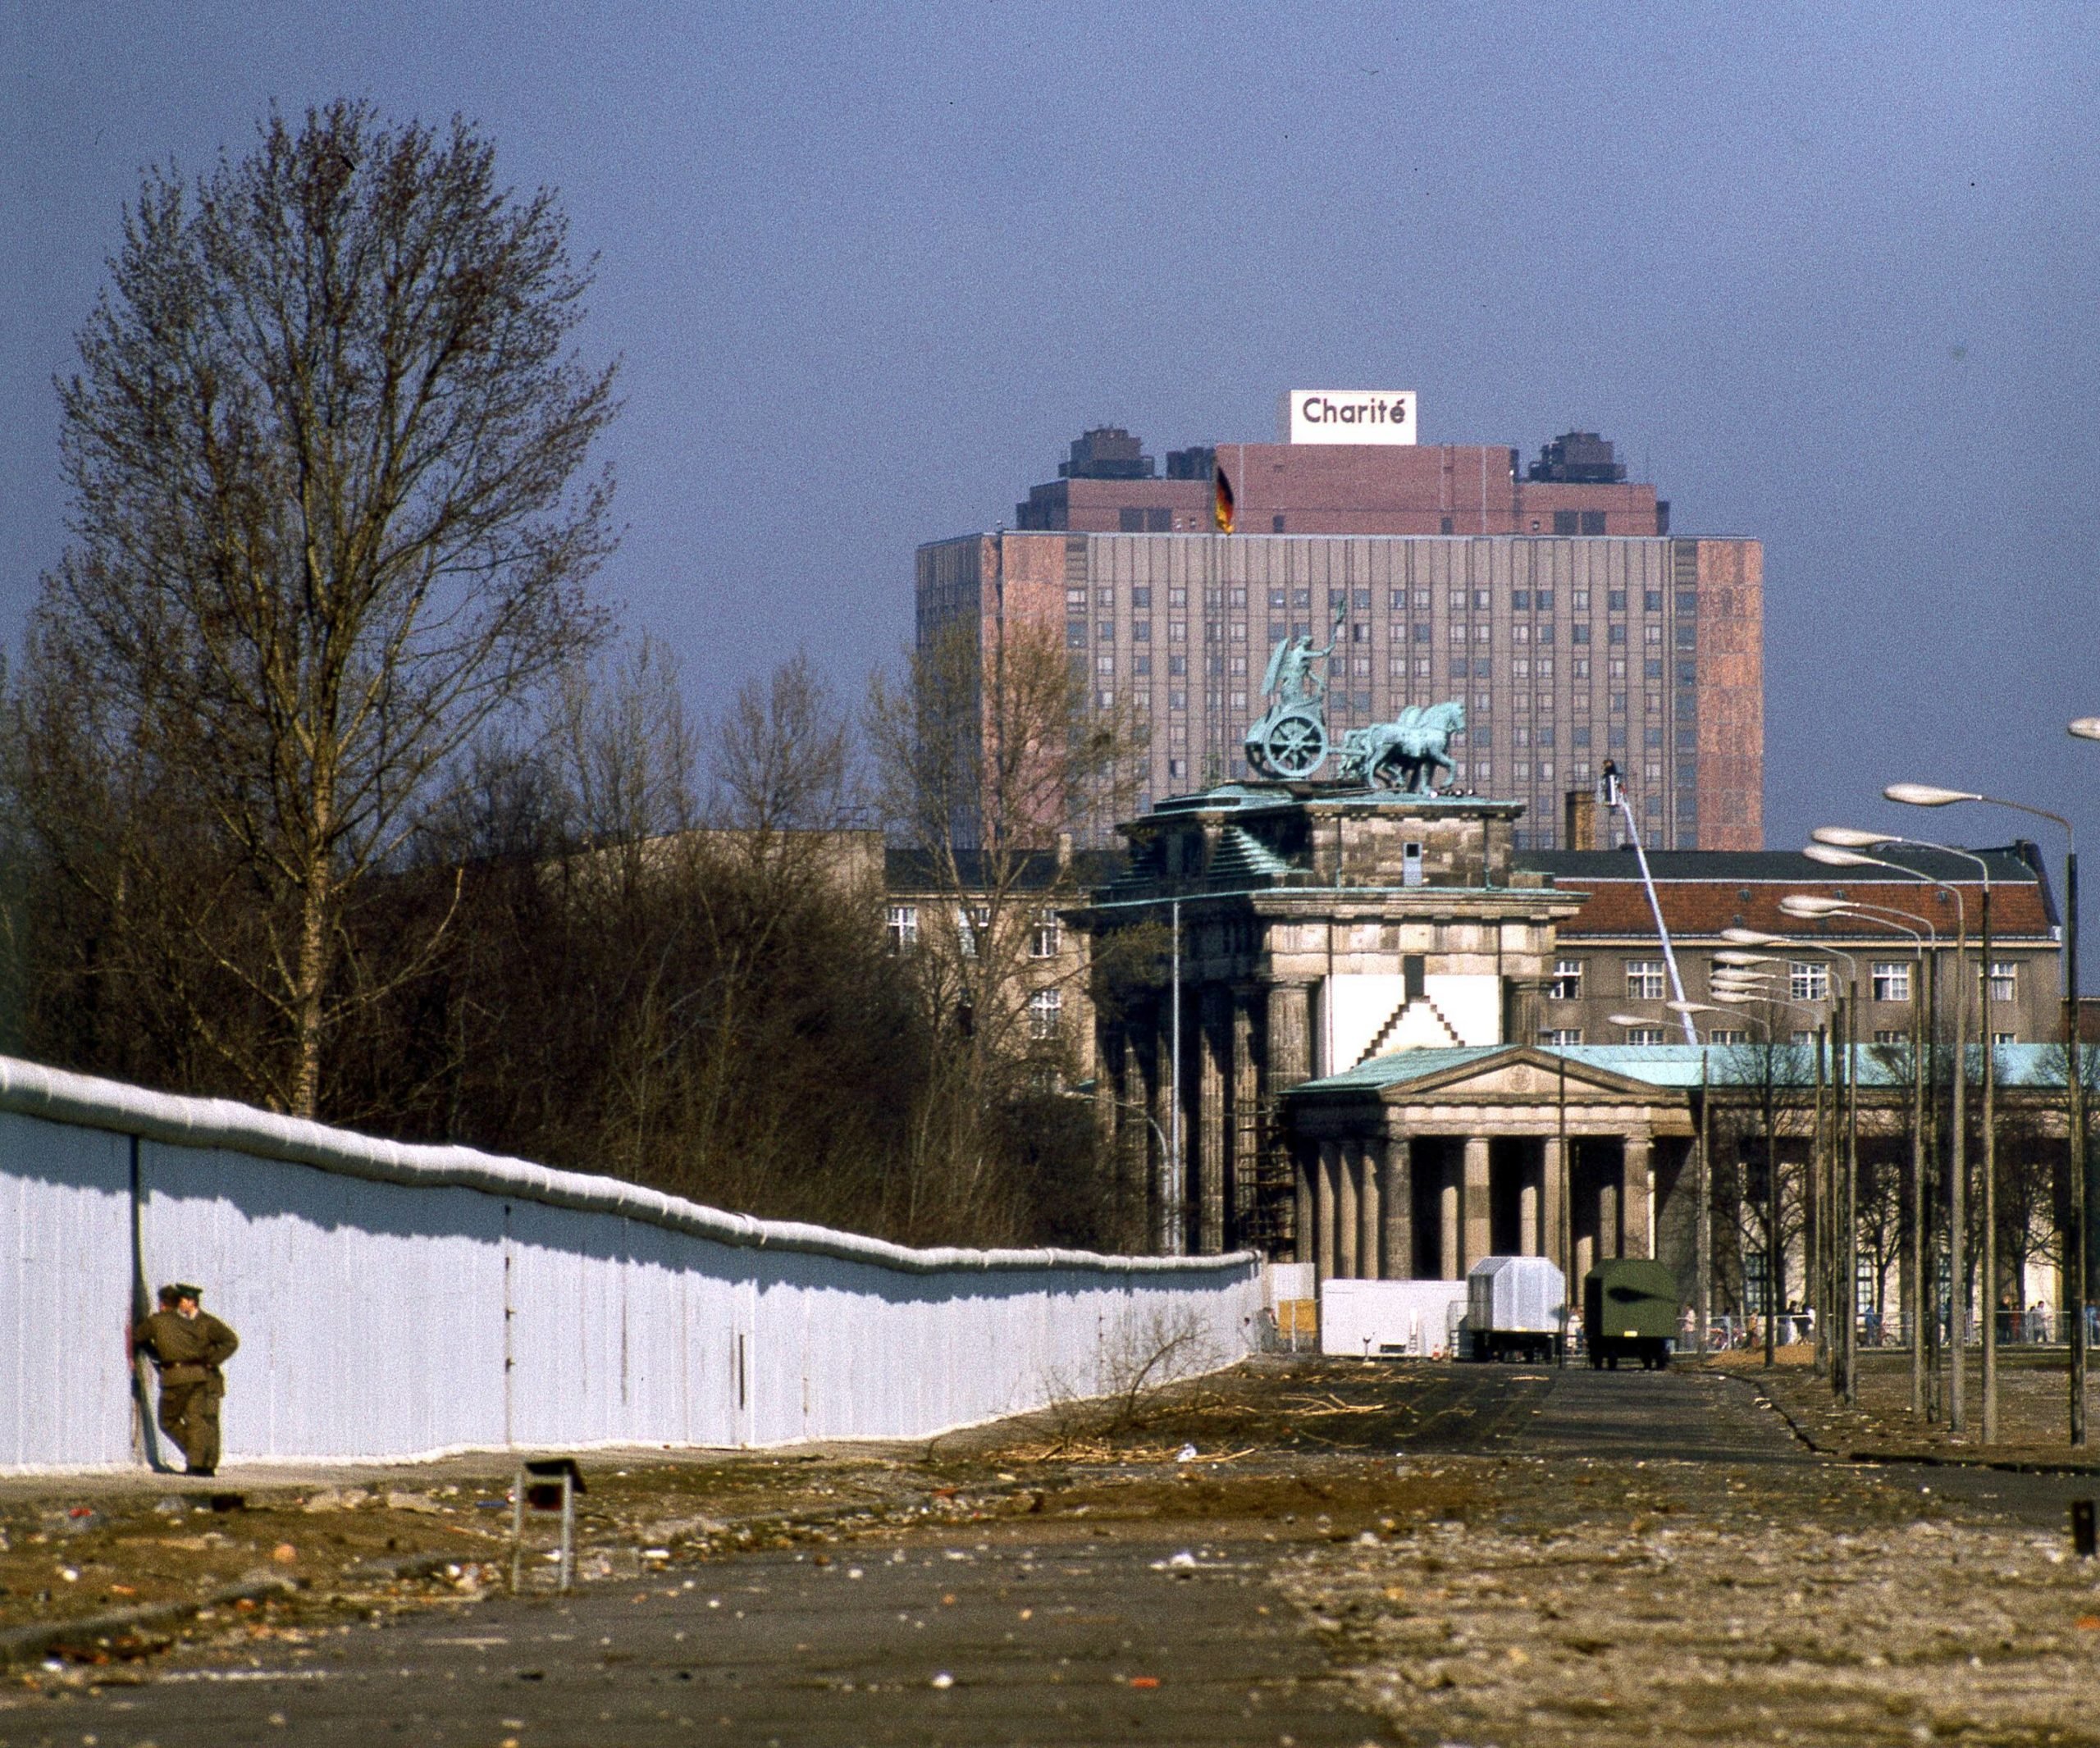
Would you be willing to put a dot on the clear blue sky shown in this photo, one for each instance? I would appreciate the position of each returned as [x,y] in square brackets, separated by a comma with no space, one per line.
[1829,276]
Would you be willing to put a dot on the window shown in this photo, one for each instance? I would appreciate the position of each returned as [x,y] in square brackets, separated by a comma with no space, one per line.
[1807,981]
[1075,597]
[2002,988]
[1644,979]
[1104,663]
[1545,601]
[1045,1009]
[1561,1037]
[1579,599]
[1753,1279]
[1142,665]
[1593,521]
[1651,634]
[1892,981]
[1142,631]
[1177,597]
[1046,936]
[1891,1038]
[1615,600]
[971,921]
[1616,634]
[1644,1034]
[1567,984]
[2004,1038]
[1727,1035]
[903,927]
[1578,633]
[1414,976]
[1141,596]
[1567,522]
[1411,865]
[1177,631]
[1075,634]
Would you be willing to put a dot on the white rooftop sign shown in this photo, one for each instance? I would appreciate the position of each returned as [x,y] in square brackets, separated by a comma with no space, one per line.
[1346,416]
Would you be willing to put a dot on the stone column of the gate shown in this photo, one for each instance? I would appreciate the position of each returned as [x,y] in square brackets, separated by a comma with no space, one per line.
[1363,1161]
[1244,1198]
[1305,1239]
[1396,1206]
[1479,1212]
[1213,1047]
[1342,1163]
[1531,1232]
[1553,1201]
[1637,1201]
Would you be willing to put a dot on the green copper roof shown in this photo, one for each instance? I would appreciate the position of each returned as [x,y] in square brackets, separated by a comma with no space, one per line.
[1678,1066]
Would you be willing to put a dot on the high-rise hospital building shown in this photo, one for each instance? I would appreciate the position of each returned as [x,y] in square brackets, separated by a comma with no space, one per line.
[1553,599]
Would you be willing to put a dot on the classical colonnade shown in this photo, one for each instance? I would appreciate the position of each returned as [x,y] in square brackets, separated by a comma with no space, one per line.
[1431,1205]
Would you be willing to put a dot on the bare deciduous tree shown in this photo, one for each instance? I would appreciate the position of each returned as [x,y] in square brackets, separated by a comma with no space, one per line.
[328,521]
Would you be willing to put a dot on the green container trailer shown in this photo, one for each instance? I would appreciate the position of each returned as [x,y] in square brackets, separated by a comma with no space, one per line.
[1630,1311]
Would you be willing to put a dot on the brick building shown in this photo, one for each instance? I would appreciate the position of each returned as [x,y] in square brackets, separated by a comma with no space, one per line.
[1567,650]
[1575,486]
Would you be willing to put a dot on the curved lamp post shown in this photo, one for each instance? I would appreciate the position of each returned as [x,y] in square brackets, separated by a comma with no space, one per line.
[1810,906]
[1854,841]
[2075,1241]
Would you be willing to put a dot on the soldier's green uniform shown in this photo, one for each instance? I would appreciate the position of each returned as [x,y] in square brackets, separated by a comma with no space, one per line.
[189,1351]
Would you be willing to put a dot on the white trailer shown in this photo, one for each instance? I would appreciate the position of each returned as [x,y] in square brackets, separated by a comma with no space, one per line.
[1391,1319]
[1515,1306]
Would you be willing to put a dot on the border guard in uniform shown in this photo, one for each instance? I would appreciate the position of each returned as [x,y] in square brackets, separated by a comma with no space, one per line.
[188,1345]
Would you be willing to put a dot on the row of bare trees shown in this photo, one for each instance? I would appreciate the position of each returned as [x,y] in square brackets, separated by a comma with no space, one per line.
[1764,1106]
[324,783]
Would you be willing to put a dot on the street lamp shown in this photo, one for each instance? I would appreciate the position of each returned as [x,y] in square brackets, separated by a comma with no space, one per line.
[1843,845]
[1809,906]
[2076,1243]
[1820,1268]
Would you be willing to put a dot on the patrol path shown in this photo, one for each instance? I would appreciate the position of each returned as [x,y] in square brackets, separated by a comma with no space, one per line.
[1059,1639]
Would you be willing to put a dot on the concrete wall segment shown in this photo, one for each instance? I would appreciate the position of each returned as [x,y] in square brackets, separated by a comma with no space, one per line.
[396,1303]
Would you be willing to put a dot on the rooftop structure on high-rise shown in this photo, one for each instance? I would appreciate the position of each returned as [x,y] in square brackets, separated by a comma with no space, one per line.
[1552,599]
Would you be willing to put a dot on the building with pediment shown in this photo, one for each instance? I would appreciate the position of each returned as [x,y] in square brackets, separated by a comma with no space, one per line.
[1391,1042]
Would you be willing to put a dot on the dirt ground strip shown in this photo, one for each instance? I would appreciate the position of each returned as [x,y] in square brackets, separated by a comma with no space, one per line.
[1618,1603]
[1492,1554]
[2034,1407]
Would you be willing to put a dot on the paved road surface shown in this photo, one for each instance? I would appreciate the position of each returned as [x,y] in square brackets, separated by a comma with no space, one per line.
[1078,1640]
[1020,1632]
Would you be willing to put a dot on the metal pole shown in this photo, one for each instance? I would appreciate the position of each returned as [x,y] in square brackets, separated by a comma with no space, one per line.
[1775,1257]
[2076,1254]
[1988,1290]
[1564,1238]
[1848,1232]
[1704,1273]
[1919,1031]
[1958,1198]
[1175,1239]
[1930,1202]
[1813,1248]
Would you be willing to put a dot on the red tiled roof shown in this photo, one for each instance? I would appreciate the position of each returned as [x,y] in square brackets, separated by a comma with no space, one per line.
[1693,908]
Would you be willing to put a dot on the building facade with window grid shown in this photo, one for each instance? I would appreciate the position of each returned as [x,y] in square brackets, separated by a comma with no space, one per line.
[1567,650]
[1606,961]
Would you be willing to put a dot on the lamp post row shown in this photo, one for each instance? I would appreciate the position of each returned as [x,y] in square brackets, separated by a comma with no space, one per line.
[1845,846]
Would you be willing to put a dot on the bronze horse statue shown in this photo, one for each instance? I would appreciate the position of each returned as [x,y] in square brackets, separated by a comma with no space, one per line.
[1405,753]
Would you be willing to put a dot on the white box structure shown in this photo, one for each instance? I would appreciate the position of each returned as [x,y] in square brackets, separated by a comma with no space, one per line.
[1517,1295]
[1374,1319]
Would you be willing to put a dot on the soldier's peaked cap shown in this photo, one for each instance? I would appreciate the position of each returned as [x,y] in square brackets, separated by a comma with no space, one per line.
[169,1293]
[183,1289]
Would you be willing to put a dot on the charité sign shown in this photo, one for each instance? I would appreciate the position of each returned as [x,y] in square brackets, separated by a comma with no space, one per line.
[1346,416]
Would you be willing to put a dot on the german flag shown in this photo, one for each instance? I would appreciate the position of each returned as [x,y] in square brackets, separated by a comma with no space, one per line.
[1221,501]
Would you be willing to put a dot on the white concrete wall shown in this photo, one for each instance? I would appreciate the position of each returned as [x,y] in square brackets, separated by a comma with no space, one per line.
[395,1302]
